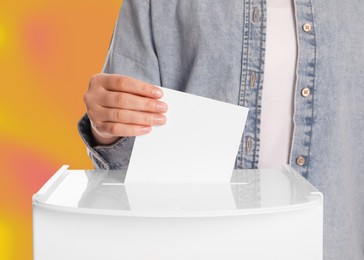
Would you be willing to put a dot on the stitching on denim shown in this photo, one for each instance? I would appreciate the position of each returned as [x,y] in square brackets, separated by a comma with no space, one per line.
[260,86]
[314,88]
[247,52]
[244,72]
[116,144]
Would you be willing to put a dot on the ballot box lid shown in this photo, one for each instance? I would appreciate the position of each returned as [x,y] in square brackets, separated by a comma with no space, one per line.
[258,191]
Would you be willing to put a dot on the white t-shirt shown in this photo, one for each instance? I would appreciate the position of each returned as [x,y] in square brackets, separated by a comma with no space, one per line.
[279,85]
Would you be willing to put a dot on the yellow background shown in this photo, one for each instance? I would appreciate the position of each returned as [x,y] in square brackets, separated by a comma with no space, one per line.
[48,51]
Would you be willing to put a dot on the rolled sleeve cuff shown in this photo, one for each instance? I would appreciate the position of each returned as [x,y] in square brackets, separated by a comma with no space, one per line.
[107,157]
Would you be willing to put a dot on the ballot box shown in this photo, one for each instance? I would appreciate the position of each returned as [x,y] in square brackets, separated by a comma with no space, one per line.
[260,214]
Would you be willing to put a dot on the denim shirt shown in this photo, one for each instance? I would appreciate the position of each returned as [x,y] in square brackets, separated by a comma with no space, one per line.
[216,49]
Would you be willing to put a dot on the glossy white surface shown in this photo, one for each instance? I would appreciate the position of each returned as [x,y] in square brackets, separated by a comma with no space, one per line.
[250,191]
[261,214]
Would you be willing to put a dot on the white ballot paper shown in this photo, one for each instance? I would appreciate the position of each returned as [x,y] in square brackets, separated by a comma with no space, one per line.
[199,142]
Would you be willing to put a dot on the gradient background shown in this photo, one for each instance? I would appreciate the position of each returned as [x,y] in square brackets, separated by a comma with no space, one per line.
[48,51]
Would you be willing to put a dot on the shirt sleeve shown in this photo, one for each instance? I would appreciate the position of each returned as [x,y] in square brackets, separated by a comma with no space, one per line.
[131,53]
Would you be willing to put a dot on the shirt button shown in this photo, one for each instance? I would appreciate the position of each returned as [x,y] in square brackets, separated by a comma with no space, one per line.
[256,15]
[300,161]
[249,143]
[307,27]
[305,92]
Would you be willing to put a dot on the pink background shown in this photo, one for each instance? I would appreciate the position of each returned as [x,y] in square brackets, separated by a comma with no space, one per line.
[48,51]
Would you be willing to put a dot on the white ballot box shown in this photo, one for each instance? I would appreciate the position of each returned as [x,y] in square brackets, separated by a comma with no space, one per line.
[260,214]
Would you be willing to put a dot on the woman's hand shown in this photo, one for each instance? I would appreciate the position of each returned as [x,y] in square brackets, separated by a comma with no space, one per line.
[122,106]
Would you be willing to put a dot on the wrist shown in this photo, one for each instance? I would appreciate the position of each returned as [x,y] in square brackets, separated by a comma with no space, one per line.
[100,140]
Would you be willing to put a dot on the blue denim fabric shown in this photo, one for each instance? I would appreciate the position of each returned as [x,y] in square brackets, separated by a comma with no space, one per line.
[216,49]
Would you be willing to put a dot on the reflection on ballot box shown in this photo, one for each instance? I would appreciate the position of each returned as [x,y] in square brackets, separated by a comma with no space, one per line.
[260,214]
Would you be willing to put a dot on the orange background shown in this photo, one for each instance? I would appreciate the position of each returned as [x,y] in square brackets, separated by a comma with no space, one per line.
[48,51]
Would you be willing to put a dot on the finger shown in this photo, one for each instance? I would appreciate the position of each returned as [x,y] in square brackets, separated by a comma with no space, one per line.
[130,117]
[132,102]
[126,84]
[111,129]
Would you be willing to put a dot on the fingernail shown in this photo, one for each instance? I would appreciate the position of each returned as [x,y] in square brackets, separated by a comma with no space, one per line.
[159,120]
[162,106]
[157,93]
[146,130]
